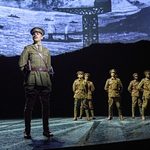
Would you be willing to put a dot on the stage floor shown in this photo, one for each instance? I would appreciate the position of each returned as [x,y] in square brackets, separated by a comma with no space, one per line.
[73,134]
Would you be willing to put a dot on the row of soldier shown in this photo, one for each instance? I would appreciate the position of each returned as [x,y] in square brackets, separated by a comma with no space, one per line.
[83,90]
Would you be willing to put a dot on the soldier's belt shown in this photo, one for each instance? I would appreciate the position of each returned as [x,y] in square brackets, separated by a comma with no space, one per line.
[40,69]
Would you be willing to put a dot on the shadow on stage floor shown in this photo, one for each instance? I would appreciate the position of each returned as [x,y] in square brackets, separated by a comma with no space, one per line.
[81,134]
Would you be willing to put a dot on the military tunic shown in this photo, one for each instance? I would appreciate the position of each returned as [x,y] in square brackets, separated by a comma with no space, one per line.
[35,77]
[144,86]
[80,89]
[136,95]
[91,89]
[114,87]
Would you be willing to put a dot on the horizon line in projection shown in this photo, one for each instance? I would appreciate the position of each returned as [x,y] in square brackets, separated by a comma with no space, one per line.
[72,24]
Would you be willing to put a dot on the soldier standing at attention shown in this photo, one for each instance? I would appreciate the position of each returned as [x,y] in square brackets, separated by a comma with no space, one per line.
[35,62]
[135,94]
[91,89]
[113,86]
[80,89]
[144,86]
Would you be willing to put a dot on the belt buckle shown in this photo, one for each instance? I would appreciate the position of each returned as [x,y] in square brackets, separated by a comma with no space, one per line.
[40,69]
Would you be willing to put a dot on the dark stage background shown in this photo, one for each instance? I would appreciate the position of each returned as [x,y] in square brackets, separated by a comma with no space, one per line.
[96,59]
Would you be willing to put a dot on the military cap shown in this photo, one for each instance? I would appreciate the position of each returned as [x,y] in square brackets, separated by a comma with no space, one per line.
[135,74]
[37,29]
[146,72]
[87,74]
[112,71]
[80,72]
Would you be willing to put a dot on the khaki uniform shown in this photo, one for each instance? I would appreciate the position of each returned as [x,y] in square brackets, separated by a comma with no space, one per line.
[37,82]
[114,87]
[35,76]
[80,89]
[89,98]
[136,96]
[144,86]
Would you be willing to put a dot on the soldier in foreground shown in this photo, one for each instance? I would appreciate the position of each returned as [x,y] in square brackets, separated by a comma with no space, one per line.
[35,63]
[135,94]
[144,86]
[80,89]
[113,87]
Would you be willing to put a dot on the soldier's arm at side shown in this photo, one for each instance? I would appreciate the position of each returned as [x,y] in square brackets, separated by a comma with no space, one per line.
[121,85]
[23,60]
[106,85]
[92,87]
[140,85]
[74,86]
[130,87]
[49,60]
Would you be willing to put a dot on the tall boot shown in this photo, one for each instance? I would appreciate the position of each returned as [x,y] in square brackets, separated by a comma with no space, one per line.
[92,114]
[120,114]
[109,113]
[133,112]
[27,120]
[45,113]
[81,113]
[87,114]
[140,110]
[143,111]
[75,114]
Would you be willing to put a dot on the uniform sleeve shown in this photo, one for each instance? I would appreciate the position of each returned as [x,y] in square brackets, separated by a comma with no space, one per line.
[130,87]
[106,85]
[140,85]
[23,59]
[49,61]
[92,87]
[121,85]
[74,86]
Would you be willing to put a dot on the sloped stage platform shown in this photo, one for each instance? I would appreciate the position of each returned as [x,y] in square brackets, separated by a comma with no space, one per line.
[81,134]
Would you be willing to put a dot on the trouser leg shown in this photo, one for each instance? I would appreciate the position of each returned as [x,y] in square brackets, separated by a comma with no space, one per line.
[140,110]
[110,108]
[134,101]
[86,108]
[81,110]
[77,104]
[117,100]
[44,98]
[81,113]
[140,106]
[144,106]
[30,100]
[91,108]
[133,112]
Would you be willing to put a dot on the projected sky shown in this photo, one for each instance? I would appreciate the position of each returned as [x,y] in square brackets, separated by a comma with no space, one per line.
[72,24]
